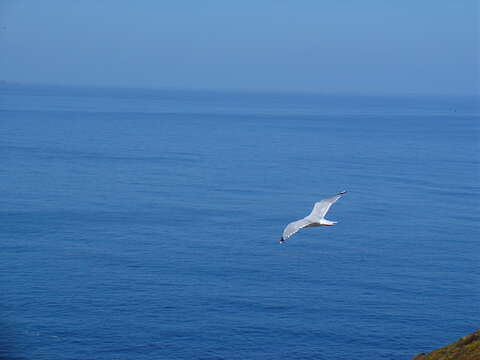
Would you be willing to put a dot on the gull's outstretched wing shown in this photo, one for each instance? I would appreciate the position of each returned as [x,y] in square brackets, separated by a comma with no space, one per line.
[293,227]
[322,207]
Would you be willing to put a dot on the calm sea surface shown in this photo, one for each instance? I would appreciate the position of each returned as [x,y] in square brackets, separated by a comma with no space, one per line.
[144,224]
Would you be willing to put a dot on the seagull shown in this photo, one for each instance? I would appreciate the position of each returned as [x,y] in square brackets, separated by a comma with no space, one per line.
[316,217]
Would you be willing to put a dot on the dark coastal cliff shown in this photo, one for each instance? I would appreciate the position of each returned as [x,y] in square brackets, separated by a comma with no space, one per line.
[466,348]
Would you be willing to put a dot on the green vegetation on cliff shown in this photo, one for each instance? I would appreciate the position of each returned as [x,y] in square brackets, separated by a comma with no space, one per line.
[467,348]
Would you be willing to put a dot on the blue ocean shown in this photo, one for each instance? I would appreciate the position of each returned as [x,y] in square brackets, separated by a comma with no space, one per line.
[144,224]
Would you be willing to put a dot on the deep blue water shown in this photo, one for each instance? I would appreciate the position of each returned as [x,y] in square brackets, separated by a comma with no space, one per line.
[143,224]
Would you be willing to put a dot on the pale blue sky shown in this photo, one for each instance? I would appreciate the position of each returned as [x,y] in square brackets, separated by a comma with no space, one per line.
[355,46]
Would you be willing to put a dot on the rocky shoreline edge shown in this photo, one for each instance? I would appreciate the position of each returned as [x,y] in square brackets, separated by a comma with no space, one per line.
[466,348]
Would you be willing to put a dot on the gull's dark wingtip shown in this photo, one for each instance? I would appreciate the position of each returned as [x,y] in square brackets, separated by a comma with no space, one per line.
[282,240]
[342,192]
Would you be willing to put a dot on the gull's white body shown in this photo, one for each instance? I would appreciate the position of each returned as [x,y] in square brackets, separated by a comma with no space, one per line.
[316,217]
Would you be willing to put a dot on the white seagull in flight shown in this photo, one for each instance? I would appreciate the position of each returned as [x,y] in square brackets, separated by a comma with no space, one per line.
[316,217]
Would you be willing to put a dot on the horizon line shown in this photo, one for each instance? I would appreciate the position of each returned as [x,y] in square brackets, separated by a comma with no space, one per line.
[241,90]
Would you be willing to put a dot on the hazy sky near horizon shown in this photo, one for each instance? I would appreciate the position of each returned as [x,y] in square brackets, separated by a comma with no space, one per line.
[359,46]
